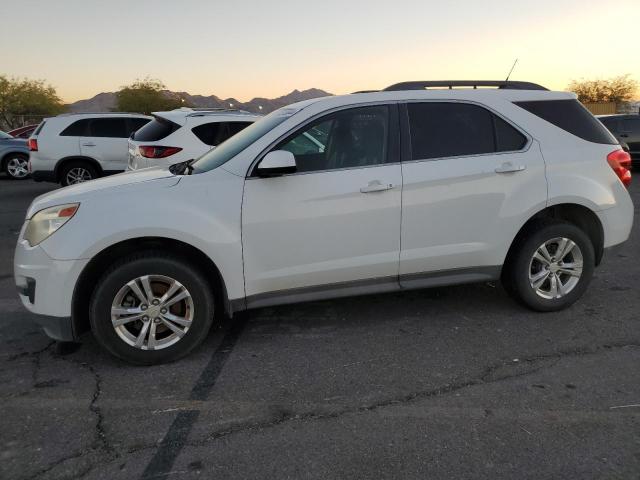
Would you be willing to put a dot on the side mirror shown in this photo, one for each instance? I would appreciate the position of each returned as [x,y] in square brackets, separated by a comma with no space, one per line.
[275,163]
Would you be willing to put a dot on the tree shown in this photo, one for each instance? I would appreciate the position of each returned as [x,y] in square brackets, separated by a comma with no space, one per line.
[618,89]
[24,98]
[146,96]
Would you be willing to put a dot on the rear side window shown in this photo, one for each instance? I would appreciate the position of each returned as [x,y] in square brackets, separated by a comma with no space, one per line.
[155,130]
[108,127]
[572,117]
[79,128]
[214,133]
[457,129]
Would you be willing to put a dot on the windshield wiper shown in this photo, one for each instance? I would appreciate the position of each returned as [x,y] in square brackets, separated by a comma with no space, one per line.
[182,167]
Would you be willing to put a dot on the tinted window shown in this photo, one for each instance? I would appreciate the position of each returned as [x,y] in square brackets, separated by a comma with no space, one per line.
[508,139]
[631,125]
[213,133]
[572,117]
[235,127]
[611,123]
[155,130]
[349,138]
[78,128]
[108,127]
[136,124]
[449,130]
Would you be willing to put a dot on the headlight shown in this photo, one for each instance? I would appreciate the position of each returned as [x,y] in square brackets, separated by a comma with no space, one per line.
[45,222]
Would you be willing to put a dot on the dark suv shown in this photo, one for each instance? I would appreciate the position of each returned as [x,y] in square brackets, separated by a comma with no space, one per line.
[626,129]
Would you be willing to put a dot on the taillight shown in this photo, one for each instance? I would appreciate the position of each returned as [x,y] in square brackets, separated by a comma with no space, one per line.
[33,144]
[158,152]
[620,162]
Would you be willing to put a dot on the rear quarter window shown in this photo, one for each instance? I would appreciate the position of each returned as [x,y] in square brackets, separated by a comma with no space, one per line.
[571,116]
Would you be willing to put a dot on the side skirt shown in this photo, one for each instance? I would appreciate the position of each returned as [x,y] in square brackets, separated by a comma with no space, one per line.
[370,286]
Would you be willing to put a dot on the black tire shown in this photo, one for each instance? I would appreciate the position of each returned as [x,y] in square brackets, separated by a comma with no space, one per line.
[90,170]
[516,271]
[138,265]
[22,158]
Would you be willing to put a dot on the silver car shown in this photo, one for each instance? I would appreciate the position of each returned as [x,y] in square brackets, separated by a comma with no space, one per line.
[14,156]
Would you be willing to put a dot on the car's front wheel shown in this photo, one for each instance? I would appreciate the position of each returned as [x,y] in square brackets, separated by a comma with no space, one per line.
[550,267]
[151,308]
[17,166]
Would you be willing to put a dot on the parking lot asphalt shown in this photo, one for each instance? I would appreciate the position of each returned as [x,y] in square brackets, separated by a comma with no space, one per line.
[456,382]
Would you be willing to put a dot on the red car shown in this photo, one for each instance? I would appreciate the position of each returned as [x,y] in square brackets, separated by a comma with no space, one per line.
[23,132]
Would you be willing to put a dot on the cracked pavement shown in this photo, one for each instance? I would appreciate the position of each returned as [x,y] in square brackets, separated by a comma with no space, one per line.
[456,382]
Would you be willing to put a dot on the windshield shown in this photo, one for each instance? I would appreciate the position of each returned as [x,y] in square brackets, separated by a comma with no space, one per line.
[5,135]
[234,145]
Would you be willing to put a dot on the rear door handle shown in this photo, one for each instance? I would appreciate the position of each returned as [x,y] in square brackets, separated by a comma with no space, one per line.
[509,167]
[376,186]
[88,144]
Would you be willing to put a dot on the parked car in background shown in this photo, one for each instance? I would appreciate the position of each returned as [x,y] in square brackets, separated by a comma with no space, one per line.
[23,132]
[626,129]
[184,134]
[514,183]
[75,148]
[14,156]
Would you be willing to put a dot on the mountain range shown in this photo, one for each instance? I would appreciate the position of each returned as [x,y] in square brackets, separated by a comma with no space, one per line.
[106,101]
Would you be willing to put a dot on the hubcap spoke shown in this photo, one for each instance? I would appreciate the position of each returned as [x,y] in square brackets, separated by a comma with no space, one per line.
[151,343]
[146,284]
[179,320]
[142,335]
[133,285]
[182,295]
[172,327]
[539,278]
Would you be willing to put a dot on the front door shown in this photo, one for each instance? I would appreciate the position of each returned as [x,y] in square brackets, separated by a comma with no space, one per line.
[334,225]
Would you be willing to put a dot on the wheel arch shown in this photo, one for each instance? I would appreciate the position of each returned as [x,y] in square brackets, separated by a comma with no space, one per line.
[92,272]
[76,158]
[576,214]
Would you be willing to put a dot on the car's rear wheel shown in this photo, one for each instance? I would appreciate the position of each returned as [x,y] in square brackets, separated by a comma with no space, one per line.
[551,267]
[17,166]
[77,172]
[151,308]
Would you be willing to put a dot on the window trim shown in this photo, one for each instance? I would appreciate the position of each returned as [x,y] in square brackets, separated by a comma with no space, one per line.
[394,129]
[407,152]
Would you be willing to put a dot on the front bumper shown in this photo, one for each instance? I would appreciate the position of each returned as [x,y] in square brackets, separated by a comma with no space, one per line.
[45,287]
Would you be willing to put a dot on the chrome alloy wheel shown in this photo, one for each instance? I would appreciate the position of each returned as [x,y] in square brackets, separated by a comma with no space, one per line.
[17,167]
[78,175]
[152,312]
[555,268]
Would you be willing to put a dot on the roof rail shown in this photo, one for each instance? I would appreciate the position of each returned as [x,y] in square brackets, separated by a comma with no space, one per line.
[450,84]
[67,114]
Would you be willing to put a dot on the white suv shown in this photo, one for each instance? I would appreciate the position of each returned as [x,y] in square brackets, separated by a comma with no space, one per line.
[371,192]
[184,134]
[74,148]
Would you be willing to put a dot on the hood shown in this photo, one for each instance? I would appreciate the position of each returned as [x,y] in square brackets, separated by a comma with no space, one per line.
[158,177]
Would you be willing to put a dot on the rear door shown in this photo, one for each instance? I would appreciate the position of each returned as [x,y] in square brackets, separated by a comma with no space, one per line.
[106,142]
[470,181]
[630,134]
[335,223]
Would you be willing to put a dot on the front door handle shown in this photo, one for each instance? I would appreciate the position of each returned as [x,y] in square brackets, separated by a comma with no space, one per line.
[508,167]
[376,186]
[88,144]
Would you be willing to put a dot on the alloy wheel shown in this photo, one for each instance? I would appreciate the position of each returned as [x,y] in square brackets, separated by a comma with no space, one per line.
[152,312]
[555,268]
[17,167]
[78,175]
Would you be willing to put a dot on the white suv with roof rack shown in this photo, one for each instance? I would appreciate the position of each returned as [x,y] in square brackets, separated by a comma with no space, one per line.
[77,147]
[311,202]
[184,134]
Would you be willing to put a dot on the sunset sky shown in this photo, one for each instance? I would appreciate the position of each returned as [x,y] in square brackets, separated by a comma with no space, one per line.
[248,48]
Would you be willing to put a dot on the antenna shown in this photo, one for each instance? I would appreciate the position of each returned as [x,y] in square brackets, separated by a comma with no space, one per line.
[511,71]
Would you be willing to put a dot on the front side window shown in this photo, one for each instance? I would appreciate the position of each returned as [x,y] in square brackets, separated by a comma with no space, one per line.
[356,137]
[108,127]
[441,130]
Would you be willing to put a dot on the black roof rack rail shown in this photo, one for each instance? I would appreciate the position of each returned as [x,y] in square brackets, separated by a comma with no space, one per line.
[501,84]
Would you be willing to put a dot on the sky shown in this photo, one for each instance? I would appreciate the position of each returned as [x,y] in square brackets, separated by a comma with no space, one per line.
[244,48]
